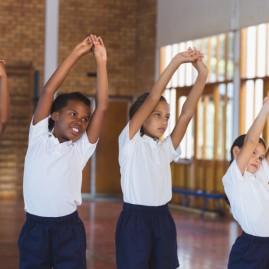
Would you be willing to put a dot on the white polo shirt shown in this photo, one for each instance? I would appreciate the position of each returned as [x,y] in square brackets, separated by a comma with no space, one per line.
[249,198]
[145,169]
[53,172]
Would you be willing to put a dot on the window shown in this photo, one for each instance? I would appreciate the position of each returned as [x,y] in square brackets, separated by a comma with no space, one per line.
[212,123]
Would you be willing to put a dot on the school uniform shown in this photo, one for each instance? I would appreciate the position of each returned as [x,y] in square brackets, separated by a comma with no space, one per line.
[146,233]
[248,195]
[53,234]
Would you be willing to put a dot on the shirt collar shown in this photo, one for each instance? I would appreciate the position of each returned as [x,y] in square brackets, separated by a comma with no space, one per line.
[55,140]
[150,140]
[249,175]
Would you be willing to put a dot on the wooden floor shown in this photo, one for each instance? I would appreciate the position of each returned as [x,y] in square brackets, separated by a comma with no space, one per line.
[204,243]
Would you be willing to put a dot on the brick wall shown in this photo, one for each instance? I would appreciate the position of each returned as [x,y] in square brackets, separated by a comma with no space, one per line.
[21,44]
[146,44]
[128,30]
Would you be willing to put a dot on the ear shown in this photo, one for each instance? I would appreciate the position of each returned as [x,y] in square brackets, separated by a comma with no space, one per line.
[55,116]
[236,151]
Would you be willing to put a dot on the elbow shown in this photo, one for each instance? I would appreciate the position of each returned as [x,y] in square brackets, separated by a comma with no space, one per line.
[104,109]
[251,141]
[3,126]
[103,106]
[187,115]
[5,123]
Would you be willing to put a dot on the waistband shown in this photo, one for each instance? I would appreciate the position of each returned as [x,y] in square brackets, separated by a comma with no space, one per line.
[144,208]
[255,238]
[62,219]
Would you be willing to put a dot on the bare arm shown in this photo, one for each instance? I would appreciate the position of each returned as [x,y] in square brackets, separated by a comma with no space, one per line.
[97,120]
[46,99]
[158,88]
[252,137]
[4,98]
[190,104]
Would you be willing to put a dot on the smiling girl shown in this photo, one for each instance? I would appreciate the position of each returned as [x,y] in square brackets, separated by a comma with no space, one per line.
[63,135]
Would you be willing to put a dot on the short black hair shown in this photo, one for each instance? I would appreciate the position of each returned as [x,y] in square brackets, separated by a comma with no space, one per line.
[61,101]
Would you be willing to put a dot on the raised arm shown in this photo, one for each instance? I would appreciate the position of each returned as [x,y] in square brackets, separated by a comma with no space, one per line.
[190,104]
[97,119]
[252,137]
[159,86]
[46,99]
[4,98]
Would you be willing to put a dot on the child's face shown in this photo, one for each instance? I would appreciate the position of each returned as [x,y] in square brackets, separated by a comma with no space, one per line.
[157,122]
[71,121]
[258,155]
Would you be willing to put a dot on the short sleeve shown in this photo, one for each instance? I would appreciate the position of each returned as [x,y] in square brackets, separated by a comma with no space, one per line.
[38,129]
[233,175]
[87,149]
[173,153]
[232,182]
[125,143]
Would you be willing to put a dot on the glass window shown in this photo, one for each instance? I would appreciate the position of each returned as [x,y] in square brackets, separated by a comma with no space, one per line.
[211,115]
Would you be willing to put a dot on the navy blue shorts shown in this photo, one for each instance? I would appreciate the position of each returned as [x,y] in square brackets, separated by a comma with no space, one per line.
[46,242]
[249,252]
[146,238]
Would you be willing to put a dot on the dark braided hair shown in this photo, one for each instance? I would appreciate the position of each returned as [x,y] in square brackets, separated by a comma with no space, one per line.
[239,142]
[61,101]
[137,104]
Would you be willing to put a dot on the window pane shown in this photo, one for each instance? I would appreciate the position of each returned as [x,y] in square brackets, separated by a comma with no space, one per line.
[210,112]
[251,52]
[221,63]
[221,126]
[261,50]
[258,96]
[200,133]
[181,82]
[230,60]
[229,117]
[249,104]
[175,77]
[213,59]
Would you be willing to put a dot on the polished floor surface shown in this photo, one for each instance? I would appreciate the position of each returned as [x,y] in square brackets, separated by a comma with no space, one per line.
[204,242]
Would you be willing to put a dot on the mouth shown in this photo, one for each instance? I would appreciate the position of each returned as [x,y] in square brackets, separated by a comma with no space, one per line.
[161,130]
[255,166]
[75,131]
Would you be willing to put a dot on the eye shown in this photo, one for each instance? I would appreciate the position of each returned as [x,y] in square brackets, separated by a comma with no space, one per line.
[261,158]
[85,120]
[167,118]
[157,115]
[73,114]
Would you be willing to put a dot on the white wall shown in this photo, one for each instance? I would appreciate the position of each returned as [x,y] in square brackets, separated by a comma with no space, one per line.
[183,20]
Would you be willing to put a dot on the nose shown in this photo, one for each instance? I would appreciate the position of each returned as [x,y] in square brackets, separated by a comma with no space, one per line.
[78,121]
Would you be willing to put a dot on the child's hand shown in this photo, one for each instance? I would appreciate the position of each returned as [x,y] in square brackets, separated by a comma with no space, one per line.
[99,50]
[189,56]
[2,68]
[85,46]
[200,65]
